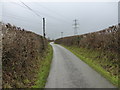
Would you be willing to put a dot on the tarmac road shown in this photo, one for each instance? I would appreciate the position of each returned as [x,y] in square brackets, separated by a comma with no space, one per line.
[68,71]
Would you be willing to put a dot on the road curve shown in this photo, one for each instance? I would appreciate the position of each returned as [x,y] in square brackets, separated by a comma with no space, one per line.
[68,71]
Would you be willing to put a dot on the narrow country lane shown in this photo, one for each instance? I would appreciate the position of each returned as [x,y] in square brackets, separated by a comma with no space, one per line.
[68,71]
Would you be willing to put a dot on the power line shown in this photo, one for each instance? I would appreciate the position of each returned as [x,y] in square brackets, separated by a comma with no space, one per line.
[58,14]
[16,17]
[35,12]
[30,8]
[53,11]
[58,19]
[18,4]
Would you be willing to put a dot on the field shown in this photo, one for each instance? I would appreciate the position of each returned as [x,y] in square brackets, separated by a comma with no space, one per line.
[23,52]
[99,48]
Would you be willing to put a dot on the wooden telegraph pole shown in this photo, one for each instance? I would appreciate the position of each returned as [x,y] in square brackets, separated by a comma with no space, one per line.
[44,33]
[44,27]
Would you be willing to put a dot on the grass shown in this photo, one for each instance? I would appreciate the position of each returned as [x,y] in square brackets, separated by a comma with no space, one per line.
[44,69]
[89,57]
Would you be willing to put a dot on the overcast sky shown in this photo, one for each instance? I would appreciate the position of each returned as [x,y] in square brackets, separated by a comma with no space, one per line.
[91,16]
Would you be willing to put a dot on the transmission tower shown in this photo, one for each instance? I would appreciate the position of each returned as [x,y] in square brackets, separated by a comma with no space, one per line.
[75,25]
[61,34]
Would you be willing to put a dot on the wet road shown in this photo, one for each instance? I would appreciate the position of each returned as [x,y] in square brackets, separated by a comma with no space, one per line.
[68,71]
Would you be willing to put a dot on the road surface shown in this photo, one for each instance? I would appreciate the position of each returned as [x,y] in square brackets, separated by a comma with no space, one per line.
[68,71]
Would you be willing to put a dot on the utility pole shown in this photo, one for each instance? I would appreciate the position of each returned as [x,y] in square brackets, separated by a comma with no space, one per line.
[61,34]
[43,33]
[75,26]
[44,27]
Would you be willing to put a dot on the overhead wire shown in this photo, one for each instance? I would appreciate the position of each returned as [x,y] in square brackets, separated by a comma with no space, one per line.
[18,4]
[35,11]
[20,21]
[30,9]
[19,18]
[53,11]
[58,14]
[55,18]
[16,18]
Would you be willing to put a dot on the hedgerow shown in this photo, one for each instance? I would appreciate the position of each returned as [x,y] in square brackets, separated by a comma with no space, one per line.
[106,42]
[21,55]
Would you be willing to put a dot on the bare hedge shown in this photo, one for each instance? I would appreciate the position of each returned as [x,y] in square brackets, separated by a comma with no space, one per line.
[20,60]
[106,41]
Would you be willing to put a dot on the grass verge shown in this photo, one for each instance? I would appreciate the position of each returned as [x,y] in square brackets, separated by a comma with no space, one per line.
[89,58]
[44,69]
